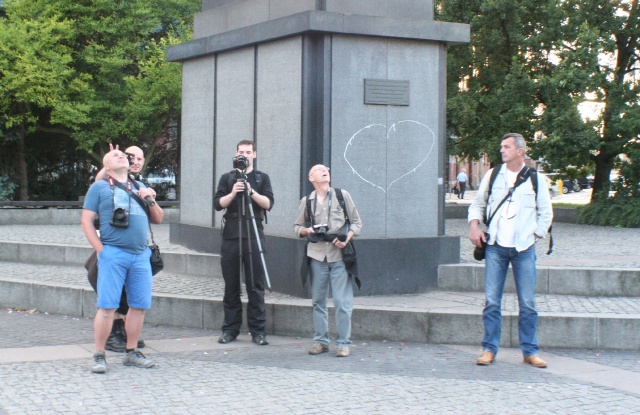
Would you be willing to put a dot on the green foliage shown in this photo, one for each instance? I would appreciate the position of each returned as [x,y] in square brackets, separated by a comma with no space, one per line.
[529,66]
[90,70]
[37,72]
[6,188]
[613,211]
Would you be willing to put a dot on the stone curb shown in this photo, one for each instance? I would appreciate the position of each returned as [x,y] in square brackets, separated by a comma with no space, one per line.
[551,280]
[202,264]
[294,318]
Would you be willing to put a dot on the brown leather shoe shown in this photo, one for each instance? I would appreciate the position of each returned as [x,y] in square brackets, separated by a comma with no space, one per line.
[318,348]
[486,358]
[535,361]
[343,351]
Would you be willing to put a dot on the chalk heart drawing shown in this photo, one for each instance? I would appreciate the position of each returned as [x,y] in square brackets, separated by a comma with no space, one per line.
[409,142]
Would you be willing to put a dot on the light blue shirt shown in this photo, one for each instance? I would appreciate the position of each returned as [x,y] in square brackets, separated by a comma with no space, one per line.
[100,199]
[461,177]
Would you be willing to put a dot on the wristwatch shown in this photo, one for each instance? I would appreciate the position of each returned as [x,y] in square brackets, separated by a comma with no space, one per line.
[252,192]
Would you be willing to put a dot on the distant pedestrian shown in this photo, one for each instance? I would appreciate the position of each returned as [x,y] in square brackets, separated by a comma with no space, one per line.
[462,183]
[521,218]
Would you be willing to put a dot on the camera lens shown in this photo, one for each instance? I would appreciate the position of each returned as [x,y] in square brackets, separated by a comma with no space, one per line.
[119,214]
[240,162]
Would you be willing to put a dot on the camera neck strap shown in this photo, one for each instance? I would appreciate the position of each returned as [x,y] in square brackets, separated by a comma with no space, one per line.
[315,208]
[127,188]
[113,183]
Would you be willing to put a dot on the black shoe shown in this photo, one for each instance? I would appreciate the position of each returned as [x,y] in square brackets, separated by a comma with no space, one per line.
[260,340]
[226,338]
[116,342]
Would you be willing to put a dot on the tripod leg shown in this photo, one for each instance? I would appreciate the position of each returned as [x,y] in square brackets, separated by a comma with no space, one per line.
[259,243]
[247,198]
[240,241]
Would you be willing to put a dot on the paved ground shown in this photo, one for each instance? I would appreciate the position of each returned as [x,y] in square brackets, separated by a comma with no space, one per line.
[44,369]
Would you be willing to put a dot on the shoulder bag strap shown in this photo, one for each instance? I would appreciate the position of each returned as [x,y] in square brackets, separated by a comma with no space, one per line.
[523,176]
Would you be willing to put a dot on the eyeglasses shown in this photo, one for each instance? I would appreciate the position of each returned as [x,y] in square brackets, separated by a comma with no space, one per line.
[321,168]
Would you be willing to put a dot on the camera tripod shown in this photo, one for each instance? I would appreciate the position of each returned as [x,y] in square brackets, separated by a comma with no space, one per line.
[246,204]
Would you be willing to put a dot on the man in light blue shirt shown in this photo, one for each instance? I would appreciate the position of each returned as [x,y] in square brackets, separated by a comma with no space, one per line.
[462,183]
[123,255]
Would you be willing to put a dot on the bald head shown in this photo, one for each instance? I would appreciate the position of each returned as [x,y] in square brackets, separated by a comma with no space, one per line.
[319,174]
[115,161]
[136,159]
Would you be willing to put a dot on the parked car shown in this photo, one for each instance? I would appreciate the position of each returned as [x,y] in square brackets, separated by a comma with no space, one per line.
[570,186]
[554,185]
[167,178]
[585,182]
[164,185]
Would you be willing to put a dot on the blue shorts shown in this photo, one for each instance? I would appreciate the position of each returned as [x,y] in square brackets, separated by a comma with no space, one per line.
[117,268]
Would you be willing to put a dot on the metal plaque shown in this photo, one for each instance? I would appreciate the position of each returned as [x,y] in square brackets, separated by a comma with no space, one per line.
[386,92]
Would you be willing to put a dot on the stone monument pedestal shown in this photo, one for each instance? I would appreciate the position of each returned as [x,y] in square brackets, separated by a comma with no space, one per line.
[357,85]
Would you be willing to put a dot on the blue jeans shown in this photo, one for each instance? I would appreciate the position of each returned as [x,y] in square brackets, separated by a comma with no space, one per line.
[324,275]
[524,270]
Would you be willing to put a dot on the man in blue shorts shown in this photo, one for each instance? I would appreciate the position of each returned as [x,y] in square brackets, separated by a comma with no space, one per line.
[123,255]
[117,341]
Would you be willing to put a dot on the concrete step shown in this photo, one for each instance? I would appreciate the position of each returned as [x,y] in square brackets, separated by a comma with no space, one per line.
[464,277]
[551,280]
[189,262]
[443,317]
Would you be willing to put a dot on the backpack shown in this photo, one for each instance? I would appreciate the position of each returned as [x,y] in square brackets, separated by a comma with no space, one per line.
[534,183]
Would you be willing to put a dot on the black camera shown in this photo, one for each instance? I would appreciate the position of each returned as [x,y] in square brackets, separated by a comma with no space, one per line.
[119,218]
[130,157]
[318,234]
[240,162]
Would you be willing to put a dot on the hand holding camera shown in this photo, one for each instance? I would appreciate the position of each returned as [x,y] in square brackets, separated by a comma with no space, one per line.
[319,233]
[238,187]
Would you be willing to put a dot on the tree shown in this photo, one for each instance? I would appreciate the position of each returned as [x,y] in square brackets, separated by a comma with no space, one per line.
[38,82]
[130,94]
[490,91]
[529,67]
[598,63]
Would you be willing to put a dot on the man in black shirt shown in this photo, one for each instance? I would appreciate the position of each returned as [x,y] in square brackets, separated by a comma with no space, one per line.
[231,188]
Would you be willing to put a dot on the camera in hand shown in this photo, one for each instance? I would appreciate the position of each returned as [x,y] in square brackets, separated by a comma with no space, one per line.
[119,218]
[240,162]
[319,233]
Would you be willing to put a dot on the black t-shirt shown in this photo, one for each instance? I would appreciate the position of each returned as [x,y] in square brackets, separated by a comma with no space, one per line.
[261,183]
